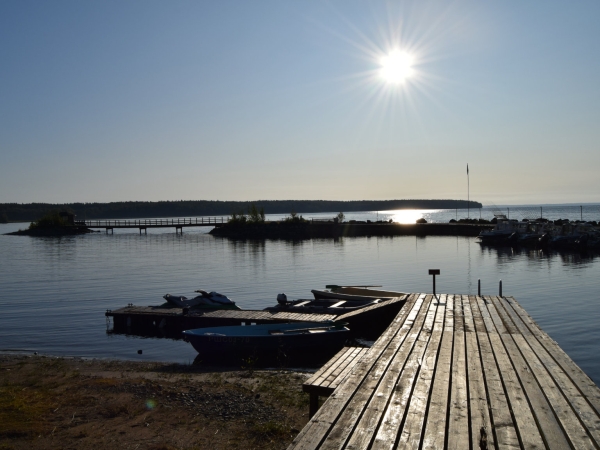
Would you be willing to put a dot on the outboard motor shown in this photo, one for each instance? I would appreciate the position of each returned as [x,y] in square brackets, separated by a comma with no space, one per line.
[582,241]
[544,239]
[282,299]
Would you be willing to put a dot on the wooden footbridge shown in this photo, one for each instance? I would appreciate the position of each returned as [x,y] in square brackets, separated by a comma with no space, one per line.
[455,372]
[143,224]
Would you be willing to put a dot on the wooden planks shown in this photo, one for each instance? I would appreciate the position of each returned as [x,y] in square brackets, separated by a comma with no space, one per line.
[244,315]
[459,372]
[329,377]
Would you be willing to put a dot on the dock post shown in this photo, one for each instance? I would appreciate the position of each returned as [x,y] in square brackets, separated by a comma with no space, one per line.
[479,287]
[500,289]
[314,404]
[434,272]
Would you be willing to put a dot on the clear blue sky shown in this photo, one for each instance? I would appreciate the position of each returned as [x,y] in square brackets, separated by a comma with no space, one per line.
[238,100]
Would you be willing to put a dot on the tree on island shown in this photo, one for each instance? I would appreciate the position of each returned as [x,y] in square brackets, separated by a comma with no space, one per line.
[3,217]
[295,218]
[51,219]
[255,215]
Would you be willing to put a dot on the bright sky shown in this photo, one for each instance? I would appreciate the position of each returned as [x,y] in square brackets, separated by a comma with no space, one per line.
[237,100]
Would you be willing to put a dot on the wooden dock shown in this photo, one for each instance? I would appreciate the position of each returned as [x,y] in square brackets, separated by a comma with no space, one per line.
[368,322]
[143,224]
[460,372]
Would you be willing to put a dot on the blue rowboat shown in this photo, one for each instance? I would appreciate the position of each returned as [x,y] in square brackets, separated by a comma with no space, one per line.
[297,337]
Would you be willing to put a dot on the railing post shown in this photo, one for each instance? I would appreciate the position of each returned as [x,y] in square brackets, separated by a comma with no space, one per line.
[479,287]
[500,289]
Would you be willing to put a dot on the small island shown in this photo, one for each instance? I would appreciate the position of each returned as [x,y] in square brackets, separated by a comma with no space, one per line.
[53,223]
[254,226]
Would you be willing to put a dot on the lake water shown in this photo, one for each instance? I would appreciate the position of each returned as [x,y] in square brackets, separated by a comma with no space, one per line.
[54,291]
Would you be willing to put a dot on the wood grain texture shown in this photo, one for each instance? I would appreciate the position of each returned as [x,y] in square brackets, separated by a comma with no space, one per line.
[456,372]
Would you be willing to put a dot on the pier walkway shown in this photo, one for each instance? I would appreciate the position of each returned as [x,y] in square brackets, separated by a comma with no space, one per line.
[460,372]
[143,224]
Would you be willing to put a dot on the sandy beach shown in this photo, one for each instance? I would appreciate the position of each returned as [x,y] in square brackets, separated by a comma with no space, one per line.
[72,403]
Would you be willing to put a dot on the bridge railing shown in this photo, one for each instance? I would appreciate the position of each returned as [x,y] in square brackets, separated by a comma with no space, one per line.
[151,222]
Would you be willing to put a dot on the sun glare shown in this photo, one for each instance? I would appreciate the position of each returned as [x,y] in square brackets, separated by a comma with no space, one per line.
[396,67]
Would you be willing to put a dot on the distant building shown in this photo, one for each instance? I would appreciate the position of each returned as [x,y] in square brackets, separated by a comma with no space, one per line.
[69,216]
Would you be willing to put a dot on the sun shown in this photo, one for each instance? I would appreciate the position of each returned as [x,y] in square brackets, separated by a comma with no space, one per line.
[396,67]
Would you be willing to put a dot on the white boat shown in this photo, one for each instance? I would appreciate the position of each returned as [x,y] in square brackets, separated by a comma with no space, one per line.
[335,300]
[354,293]
[503,230]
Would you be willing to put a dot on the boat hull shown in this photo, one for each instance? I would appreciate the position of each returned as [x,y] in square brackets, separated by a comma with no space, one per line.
[318,294]
[266,342]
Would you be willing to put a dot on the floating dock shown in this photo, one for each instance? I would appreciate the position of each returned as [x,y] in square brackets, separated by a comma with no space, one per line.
[159,321]
[459,372]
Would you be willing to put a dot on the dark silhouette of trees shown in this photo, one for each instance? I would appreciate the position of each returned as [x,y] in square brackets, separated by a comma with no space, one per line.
[191,208]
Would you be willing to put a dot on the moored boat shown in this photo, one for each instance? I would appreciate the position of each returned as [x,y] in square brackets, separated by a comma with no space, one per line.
[502,231]
[354,293]
[324,305]
[335,300]
[267,339]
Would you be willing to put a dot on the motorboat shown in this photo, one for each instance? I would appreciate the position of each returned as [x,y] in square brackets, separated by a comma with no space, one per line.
[269,338]
[324,305]
[502,231]
[354,293]
[335,300]
[206,300]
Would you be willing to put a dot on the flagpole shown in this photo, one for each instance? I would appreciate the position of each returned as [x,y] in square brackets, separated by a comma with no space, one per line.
[468,195]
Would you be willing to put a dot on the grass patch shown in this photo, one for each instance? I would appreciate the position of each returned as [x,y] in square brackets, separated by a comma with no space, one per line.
[22,411]
[270,430]
[286,391]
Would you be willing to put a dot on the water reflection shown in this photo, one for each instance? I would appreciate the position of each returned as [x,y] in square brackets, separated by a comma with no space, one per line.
[505,254]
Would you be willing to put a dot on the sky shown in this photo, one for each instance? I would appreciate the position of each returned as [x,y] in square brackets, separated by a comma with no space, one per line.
[148,100]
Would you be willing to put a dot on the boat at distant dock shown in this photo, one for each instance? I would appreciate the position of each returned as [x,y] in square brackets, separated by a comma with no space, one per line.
[560,234]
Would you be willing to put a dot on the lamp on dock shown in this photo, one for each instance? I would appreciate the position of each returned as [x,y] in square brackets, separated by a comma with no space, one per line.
[434,272]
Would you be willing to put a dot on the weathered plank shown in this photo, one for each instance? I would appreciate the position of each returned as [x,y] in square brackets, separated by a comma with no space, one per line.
[479,417]
[410,436]
[350,314]
[322,374]
[372,364]
[546,421]
[388,405]
[458,417]
[567,401]
[434,434]
[365,409]
[503,430]
[456,372]
[342,372]
[529,433]
[578,376]
[343,366]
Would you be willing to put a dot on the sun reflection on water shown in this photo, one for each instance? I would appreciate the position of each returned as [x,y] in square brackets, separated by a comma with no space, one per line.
[408,215]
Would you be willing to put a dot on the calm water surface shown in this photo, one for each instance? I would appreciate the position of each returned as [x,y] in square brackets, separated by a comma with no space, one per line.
[54,291]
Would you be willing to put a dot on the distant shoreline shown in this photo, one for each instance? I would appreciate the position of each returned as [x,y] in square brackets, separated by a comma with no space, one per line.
[14,212]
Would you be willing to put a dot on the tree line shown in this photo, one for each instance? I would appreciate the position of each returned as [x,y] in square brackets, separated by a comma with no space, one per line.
[16,212]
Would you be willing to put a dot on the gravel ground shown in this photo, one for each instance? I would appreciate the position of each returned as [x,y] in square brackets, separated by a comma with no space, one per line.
[48,403]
